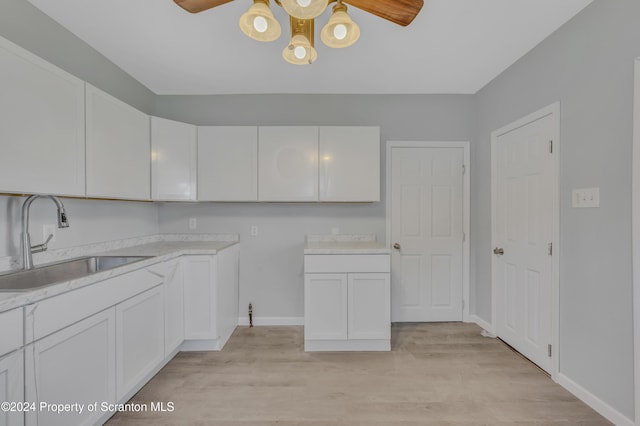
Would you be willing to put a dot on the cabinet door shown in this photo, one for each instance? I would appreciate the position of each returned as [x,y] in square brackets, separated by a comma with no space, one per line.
[12,387]
[369,306]
[118,148]
[349,164]
[325,306]
[174,307]
[288,163]
[228,163]
[42,130]
[227,286]
[139,339]
[173,160]
[73,365]
[200,297]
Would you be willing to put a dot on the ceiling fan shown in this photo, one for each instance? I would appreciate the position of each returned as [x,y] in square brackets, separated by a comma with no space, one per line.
[340,31]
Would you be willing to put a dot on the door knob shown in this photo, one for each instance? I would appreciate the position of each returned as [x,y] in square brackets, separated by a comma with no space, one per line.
[499,251]
[396,246]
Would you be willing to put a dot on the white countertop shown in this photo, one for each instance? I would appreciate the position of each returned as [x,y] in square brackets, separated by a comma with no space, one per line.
[344,244]
[161,248]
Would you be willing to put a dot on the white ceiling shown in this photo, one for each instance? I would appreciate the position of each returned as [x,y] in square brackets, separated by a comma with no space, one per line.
[453,46]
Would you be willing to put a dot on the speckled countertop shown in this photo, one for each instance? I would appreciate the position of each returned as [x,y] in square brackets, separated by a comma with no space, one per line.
[344,244]
[160,247]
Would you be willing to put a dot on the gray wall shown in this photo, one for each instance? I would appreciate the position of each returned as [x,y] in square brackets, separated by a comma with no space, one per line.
[90,221]
[271,265]
[587,65]
[31,29]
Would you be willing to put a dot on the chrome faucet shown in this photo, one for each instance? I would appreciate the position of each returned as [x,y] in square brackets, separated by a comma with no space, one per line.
[27,248]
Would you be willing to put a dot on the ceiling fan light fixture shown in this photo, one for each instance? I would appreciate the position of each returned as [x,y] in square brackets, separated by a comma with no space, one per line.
[304,9]
[259,23]
[340,31]
[300,50]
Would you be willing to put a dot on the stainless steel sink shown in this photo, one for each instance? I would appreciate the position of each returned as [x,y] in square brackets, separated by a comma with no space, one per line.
[64,271]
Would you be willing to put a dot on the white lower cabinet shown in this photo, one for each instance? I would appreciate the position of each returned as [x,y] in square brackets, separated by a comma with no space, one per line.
[12,387]
[139,340]
[343,310]
[74,365]
[210,299]
[173,307]
[325,307]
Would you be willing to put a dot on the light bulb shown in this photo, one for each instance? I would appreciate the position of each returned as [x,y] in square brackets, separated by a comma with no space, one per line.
[300,52]
[340,31]
[304,3]
[260,24]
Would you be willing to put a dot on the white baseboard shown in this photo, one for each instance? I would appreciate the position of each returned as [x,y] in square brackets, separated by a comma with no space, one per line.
[482,323]
[604,409]
[257,321]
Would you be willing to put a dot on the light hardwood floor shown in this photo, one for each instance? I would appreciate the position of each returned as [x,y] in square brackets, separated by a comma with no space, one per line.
[436,374]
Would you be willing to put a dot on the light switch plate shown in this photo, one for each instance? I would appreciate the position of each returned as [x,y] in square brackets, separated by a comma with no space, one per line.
[585,198]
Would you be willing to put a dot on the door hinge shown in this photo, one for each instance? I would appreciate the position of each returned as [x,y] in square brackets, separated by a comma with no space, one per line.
[550,249]
[549,350]
[551,147]
[463,304]
[464,169]
[464,237]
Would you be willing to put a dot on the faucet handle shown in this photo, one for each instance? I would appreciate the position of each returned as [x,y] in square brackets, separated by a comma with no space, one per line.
[41,247]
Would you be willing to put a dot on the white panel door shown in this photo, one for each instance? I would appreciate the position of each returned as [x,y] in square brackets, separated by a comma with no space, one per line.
[369,306]
[12,387]
[288,163]
[228,163]
[427,226]
[42,129]
[118,148]
[74,365]
[139,338]
[173,160]
[523,230]
[325,307]
[349,163]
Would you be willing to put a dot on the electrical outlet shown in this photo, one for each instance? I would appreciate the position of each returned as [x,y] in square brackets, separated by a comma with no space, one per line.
[254,231]
[585,198]
[48,229]
[335,231]
[193,223]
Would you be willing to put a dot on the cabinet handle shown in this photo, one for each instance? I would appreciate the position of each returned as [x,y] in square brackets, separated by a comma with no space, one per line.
[396,246]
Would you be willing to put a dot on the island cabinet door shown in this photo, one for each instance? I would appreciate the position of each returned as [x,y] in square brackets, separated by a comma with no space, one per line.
[75,365]
[369,306]
[325,311]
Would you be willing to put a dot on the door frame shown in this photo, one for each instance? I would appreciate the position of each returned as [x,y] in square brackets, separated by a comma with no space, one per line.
[552,110]
[635,224]
[466,203]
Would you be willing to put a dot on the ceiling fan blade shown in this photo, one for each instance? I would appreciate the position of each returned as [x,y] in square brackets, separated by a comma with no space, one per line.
[195,6]
[400,12]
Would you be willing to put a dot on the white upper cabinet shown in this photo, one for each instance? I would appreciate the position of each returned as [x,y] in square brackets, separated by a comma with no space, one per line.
[118,148]
[288,163]
[349,164]
[42,129]
[173,160]
[228,163]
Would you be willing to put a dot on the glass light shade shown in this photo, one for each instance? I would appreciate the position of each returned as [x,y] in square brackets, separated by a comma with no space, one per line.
[304,9]
[299,51]
[340,31]
[259,23]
